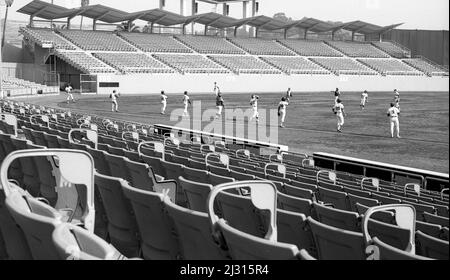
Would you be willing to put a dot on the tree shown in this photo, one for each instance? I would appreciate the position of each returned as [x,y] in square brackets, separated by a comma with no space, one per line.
[282,17]
[8,4]
[124,27]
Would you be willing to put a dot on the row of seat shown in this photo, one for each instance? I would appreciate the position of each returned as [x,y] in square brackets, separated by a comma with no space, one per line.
[247,239]
[390,67]
[85,62]
[133,62]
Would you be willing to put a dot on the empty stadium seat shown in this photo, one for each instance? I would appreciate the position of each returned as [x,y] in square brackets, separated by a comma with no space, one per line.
[194,233]
[75,243]
[431,247]
[155,226]
[337,218]
[122,227]
[337,244]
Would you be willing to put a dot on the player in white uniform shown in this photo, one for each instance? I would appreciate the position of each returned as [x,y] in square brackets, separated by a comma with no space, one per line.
[254,103]
[216,89]
[163,102]
[338,109]
[337,95]
[393,114]
[69,93]
[219,104]
[288,94]
[282,107]
[114,105]
[364,99]
[186,102]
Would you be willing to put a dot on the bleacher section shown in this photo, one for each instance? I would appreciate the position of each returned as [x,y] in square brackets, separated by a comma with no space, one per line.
[17,87]
[261,47]
[294,65]
[149,201]
[96,40]
[110,52]
[353,49]
[310,48]
[426,67]
[244,64]
[46,36]
[190,63]
[85,62]
[155,43]
[343,66]
[133,62]
[392,49]
[209,45]
[390,67]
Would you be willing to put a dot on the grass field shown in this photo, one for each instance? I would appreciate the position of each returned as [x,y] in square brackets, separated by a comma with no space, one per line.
[311,126]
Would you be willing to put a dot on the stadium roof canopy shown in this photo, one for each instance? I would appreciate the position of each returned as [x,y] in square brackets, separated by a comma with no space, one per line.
[263,22]
[43,10]
[310,24]
[212,19]
[110,15]
[363,27]
[158,16]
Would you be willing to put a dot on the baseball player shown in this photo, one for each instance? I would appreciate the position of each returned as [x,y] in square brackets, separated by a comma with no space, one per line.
[393,114]
[339,111]
[282,107]
[186,102]
[68,90]
[163,102]
[364,99]
[114,105]
[254,103]
[219,104]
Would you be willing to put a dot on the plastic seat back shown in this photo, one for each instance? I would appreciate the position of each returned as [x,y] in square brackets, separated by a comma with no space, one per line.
[122,226]
[155,226]
[75,243]
[337,218]
[194,233]
[431,247]
[337,244]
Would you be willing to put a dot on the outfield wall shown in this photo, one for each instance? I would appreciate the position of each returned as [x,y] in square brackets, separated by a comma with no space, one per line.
[203,83]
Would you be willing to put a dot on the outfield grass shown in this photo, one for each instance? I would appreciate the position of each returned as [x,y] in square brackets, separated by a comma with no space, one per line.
[311,126]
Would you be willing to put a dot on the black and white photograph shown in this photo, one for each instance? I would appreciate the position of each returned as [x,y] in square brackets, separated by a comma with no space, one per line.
[211,133]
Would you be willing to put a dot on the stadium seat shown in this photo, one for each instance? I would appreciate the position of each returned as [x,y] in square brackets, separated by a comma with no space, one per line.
[354,199]
[387,252]
[240,213]
[218,179]
[434,219]
[382,216]
[243,246]
[101,165]
[431,247]
[196,194]
[155,227]
[174,171]
[75,243]
[337,244]
[37,220]
[429,229]
[118,167]
[294,204]
[194,233]
[337,218]
[337,199]
[294,229]
[122,227]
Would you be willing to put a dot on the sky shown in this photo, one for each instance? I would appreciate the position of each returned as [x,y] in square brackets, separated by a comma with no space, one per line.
[415,14]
